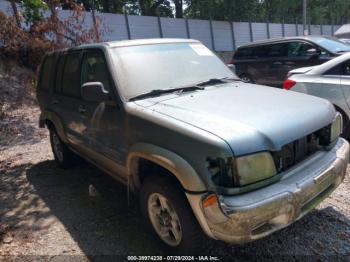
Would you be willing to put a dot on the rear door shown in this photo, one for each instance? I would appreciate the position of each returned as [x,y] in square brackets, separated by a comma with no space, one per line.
[104,120]
[276,54]
[67,97]
[250,62]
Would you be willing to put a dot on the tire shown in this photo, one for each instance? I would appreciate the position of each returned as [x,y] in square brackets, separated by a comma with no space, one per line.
[346,130]
[346,124]
[62,154]
[191,239]
[246,78]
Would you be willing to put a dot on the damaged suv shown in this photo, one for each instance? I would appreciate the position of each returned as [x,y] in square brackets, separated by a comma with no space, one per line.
[203,151]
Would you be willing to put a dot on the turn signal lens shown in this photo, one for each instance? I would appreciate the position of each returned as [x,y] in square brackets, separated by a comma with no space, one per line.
[210,200]
[288,84]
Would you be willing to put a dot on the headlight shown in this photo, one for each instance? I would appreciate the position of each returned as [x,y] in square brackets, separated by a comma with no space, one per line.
[336,127]
[253,168]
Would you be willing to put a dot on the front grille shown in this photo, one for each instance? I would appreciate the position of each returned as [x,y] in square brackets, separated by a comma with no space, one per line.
[298,150]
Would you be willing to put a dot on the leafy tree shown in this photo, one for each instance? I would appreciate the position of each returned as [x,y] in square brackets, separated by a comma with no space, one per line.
[33,11]
[221,9]
[155,7]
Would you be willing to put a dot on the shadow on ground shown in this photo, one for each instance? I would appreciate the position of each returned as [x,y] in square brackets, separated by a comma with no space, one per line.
[104,225]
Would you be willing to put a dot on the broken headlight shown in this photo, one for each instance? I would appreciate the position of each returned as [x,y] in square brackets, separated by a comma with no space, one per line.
[333,131]
[253,168]
[336,127]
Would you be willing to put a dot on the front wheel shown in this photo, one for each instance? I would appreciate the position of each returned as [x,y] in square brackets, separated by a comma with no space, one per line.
[246,78]
[170,217]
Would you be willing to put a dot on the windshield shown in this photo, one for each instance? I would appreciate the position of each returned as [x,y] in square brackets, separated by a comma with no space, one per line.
[332,44]
[144,68]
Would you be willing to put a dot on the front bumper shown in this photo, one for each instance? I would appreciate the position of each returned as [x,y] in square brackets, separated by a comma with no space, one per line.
[256,214]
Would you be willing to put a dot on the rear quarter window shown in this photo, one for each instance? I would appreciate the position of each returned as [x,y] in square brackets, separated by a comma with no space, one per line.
[336,70]
[45,81]
[59,72]
[244,53]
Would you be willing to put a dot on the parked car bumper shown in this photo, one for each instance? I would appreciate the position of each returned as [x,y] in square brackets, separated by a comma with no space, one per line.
[253,215]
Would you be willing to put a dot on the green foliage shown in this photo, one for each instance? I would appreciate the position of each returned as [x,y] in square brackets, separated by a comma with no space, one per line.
[33,11]
[274,11]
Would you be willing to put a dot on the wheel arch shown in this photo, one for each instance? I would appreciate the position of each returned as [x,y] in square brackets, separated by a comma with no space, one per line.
[165,159]
[52,120]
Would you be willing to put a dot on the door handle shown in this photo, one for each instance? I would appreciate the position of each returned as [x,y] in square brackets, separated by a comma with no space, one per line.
[82,110]
[277,63]
[54,102]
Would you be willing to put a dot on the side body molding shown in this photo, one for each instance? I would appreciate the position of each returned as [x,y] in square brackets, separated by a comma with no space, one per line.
[55,119]
[175,164]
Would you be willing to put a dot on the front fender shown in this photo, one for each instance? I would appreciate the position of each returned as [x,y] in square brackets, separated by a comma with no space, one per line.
[172,162]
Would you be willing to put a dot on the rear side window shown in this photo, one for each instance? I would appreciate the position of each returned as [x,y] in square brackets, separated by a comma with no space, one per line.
[277,50]
[59,71]
[46,73]
[71,75]
[260,51]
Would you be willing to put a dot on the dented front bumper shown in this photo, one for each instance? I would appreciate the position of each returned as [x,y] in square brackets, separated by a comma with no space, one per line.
[253,215]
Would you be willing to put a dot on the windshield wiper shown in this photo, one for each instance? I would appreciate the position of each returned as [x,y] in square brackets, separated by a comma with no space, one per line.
[213,81]
[158,92]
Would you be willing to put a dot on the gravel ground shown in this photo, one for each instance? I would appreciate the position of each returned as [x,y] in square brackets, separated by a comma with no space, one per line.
[47,213]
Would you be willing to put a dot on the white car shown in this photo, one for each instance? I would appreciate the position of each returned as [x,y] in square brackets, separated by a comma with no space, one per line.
[330,80]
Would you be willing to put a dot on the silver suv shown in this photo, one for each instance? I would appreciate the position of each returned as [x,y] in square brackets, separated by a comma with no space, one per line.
[203,151]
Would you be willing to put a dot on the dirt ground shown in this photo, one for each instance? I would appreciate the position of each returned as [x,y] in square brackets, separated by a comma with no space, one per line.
[47,213]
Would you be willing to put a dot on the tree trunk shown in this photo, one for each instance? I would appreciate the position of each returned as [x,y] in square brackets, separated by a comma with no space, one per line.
[57,23]
[97,35]
[15,13]
[143,7]
[178,8]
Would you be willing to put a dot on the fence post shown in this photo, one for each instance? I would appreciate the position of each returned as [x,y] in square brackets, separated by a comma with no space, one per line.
[321,28]
[187,29]
[332,27]
[233,36]
[212,34]
[283,32]
[309,26]
[160,27]
[296,26]
[127,25]
[268,29]
[251,31]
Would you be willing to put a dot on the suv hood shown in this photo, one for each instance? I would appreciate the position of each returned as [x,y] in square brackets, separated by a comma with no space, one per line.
[250,118]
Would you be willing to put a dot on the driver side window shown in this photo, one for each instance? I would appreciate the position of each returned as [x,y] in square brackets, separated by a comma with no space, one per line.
[94,69]
[299,49]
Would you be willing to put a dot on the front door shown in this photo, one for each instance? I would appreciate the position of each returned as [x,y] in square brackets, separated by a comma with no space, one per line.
[104,120]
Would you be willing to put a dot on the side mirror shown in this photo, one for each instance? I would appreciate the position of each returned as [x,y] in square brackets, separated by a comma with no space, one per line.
[94,92]
[313,53]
